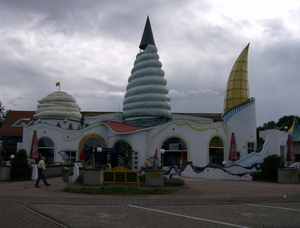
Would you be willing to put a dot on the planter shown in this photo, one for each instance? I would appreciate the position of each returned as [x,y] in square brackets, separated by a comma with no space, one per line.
[155,178]
[92,177]
[288,176]
[5,172]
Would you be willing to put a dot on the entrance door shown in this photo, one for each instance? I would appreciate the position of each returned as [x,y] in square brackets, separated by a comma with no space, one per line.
[175,152]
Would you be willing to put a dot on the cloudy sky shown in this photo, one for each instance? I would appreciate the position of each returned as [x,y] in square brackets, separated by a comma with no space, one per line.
[89,46]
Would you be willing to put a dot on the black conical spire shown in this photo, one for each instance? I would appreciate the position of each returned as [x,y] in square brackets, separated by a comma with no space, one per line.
[147,37]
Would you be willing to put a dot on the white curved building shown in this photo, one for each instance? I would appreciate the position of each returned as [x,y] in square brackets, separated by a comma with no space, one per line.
[147,123]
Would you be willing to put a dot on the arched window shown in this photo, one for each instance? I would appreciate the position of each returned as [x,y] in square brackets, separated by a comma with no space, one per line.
[216,151]
[46,149]
[89,145]
[175,152]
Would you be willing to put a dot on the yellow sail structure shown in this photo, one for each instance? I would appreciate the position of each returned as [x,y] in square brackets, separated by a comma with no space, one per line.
[237,89]
[293,126]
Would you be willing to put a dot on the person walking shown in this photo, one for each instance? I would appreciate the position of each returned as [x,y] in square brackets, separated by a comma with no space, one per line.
[41,171]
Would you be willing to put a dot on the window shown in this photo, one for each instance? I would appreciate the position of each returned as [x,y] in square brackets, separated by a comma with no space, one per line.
[71,156]
[216,151]
[9,145]
[250,147]
[282,152]
[297,158]
[46,149]
[124,152]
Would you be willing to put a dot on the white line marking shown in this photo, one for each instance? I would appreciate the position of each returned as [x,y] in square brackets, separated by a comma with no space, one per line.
[282,208]
[189,217]
[49,219]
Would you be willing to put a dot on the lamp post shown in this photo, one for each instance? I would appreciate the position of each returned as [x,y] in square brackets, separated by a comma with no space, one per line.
[99,150]
[224,163]
[162,151]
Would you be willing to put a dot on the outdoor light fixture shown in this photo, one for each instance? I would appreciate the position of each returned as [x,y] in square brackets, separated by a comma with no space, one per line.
[99,150]
[162,151]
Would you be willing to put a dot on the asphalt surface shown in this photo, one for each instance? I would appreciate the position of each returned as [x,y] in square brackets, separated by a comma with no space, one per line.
[200,203]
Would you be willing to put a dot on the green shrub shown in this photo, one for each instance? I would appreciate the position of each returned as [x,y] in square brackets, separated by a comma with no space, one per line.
[269,167]
[257,176]
[19,165]
[142,178]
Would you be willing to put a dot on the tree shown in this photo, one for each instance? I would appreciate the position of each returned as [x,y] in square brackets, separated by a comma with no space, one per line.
[3,114]
[270,125]
[283,124]
[19,165]
[269,167]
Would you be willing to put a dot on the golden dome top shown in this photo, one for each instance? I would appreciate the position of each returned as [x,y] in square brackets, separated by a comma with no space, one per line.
[237,89]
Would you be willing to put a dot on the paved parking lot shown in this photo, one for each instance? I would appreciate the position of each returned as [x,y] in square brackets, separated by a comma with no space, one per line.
[201,203]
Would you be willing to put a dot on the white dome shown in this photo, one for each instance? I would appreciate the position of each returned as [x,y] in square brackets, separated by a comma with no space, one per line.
[58,105]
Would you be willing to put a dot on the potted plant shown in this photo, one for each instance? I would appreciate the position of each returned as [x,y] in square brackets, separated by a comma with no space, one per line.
[4,170]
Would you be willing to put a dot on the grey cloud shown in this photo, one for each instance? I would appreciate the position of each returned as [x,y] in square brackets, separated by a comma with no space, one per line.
[90,46]
[274,27]
[277,61]
[201,93]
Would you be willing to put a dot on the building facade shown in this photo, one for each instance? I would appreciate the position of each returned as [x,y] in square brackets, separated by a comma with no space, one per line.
[146,126]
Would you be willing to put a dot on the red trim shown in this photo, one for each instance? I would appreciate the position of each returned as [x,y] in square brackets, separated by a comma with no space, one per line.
[120,127]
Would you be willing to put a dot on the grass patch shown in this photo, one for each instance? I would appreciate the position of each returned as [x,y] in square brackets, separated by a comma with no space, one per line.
[16,180]
[121,191]
[173,182]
